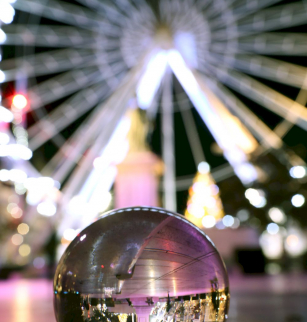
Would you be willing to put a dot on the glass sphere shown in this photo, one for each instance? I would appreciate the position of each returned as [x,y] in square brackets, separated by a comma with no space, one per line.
[141,264]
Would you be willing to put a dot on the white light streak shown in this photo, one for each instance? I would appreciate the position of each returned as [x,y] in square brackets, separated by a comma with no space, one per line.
[151,79]
[217,126]
[94,196]
[185,43]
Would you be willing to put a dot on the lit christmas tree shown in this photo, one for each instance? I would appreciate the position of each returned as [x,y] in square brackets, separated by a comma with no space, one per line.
[204,207]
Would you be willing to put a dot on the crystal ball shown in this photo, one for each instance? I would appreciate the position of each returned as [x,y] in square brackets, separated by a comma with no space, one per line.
[141,264]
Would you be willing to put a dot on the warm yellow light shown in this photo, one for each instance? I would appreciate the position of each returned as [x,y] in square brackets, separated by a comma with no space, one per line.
[240,134]
[24,250]
[23,229]
[19,101]
[21,302]
[65,241]
[123,317]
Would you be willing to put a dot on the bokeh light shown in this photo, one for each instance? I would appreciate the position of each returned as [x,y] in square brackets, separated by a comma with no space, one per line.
[209,221]
[19,101]
[228,221]
[298,172]
[24,250]
[204,167]
[23,229]
[272,228]
[17,239]
[39,262]
[298,200]
[70,234]
[47,208]
[277,215]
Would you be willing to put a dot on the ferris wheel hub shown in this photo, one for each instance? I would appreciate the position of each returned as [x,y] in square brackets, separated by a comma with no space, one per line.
[164,37]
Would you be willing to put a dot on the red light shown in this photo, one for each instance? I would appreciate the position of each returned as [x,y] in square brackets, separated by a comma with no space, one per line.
[102,266]
[19,101]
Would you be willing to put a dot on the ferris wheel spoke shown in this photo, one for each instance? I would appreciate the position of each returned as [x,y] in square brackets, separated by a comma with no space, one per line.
[109,12]
[264,95]
[112,109]
[190,127]
[243,8]
[84,167]
[48,63]
[69,14]
[71,152]
[270,19]
[62,86]
[236,10]
[124,5]
[140,12]
[219,10]
[268,138]
[205,5]
[51,36]
[285,126]
[165,9]
[168,143]
[65,114]
[283,16]
[68,149]
[264,67]
[260,130]
[267,43]
[101,129]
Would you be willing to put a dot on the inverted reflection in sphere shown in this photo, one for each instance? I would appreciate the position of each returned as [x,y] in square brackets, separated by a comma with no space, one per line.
[141,264]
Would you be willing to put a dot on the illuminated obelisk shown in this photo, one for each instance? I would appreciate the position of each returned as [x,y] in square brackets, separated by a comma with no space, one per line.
[137,182]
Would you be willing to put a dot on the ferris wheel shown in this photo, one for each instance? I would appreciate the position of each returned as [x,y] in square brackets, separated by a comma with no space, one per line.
[83,64]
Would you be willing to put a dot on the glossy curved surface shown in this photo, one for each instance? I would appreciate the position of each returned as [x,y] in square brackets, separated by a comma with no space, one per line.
[139,257]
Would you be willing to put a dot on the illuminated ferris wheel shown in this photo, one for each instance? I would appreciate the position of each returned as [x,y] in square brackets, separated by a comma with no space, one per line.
[84,63]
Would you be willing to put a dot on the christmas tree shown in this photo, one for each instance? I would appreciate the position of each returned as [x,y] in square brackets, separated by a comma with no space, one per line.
[204,207]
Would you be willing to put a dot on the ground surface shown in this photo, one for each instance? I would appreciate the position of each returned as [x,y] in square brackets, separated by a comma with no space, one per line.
[280,298]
